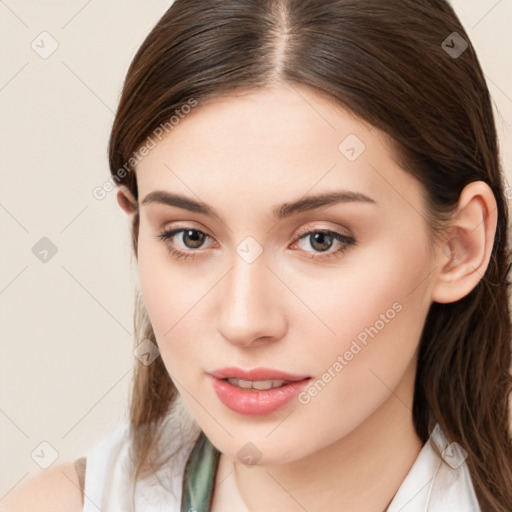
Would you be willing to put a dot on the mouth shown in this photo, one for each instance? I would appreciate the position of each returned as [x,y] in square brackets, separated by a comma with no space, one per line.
[256,395]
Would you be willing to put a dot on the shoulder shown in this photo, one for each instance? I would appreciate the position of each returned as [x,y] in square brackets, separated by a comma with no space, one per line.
[56,489]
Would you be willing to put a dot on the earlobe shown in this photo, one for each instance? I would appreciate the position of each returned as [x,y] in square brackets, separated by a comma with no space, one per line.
[126,200]
[465,255]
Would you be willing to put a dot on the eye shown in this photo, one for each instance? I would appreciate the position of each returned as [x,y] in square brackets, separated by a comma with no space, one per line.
[192,238]
[320,239]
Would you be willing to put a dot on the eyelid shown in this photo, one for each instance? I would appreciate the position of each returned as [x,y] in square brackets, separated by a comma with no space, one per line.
[186,226]
[316,227]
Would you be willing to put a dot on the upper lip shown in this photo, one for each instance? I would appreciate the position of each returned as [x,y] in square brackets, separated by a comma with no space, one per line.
[233,372]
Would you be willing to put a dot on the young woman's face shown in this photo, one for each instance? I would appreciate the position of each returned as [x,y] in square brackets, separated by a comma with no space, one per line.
[337,293]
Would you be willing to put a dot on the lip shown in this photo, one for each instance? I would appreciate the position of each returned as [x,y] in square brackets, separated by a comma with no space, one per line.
[254,402]
[232,372]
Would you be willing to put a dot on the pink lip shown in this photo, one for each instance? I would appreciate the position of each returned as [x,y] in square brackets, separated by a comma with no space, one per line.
[251,401]
[233,372]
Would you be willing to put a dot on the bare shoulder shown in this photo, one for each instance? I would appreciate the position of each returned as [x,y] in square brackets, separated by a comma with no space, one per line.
[56,489]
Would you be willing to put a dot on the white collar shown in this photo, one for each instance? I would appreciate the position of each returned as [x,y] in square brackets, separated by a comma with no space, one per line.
[437,484]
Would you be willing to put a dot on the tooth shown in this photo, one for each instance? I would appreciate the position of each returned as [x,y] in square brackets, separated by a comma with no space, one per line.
[246,384]
[258,384]
[263,384]
[267,384]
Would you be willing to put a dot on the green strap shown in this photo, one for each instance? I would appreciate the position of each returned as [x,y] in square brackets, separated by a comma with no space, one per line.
[199,476]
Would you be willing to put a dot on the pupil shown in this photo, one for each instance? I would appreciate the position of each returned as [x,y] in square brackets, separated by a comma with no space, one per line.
[320,237]
[197,240]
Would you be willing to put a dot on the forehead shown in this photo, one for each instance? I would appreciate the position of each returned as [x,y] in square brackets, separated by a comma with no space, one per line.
[279,143]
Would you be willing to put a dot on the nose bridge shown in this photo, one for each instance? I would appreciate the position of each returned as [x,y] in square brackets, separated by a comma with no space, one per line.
[247,307]
[247,289]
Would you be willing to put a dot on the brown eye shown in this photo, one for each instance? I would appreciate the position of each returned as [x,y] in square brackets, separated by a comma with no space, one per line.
[192,239]
[321,241]
[196,238]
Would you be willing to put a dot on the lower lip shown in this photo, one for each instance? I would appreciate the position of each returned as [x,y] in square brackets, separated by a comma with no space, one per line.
[254,402]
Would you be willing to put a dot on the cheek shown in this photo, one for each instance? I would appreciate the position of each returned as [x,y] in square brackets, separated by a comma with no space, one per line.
[377,311]
[384,276]
[173,299]
[165,289]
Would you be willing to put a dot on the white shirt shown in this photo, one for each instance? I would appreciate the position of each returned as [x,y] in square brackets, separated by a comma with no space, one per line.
[433,484]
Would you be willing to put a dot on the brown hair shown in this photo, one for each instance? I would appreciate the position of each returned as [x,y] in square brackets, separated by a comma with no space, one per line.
[385,62]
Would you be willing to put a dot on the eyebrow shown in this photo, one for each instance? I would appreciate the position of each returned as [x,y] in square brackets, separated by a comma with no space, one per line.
[279,212]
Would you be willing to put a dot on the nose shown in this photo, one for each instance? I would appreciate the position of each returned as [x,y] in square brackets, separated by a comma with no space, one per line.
[250,308]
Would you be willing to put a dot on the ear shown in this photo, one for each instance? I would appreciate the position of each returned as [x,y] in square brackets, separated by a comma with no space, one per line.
[465,255]
[126,200]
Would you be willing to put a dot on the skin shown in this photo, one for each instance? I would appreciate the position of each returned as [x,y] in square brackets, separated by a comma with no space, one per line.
[242,155]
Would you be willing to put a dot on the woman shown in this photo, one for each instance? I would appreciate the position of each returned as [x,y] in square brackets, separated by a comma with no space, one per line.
[320,228]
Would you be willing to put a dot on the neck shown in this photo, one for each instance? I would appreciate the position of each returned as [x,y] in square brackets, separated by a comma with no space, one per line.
[360,472]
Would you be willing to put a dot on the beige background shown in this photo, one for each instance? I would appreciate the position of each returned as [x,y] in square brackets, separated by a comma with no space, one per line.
[66,325]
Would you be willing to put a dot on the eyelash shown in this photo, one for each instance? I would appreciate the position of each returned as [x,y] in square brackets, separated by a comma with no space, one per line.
[346,242]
